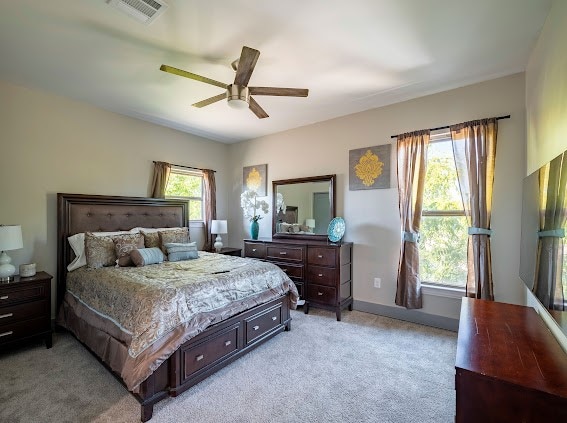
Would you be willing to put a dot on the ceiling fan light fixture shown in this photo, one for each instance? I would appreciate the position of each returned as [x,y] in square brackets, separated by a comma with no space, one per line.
[238,97]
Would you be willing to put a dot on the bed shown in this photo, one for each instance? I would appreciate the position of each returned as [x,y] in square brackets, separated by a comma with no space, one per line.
[165,327]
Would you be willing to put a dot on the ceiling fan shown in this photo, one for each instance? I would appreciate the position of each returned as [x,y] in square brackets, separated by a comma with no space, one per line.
[239,94]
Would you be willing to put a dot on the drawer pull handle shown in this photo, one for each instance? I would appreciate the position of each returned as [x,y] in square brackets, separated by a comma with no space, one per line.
[274,318]
[319,293]
[2,316]
[6,333]
[283,253]
[320,275]
[320,256]
[199,357]
[253,250]
[4,297]
[227,343]
[256,327]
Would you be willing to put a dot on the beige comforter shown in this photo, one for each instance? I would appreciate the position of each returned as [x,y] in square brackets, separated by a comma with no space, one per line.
[154,309]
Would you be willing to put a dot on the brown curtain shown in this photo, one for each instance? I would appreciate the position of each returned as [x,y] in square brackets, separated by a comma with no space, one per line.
[159,179]
[412,165]
[548,284]
[474,148]
[210,198]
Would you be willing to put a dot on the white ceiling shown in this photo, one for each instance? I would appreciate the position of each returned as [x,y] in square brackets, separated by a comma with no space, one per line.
[352,55]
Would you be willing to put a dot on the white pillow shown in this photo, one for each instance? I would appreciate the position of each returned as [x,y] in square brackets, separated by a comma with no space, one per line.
[77,243]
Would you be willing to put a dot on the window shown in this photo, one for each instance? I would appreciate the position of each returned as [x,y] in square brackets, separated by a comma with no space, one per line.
[186,184]
[444,227]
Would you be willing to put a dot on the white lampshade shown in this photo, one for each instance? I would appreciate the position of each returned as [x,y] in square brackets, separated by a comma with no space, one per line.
[310,223]
[218,227]
[10,239]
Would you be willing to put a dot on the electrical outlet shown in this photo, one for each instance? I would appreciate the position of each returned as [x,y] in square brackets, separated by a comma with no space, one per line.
[377,282]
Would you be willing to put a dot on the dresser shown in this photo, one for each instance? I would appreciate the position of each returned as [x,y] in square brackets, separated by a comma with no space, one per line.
[509,367]
[25,309]
[322,271]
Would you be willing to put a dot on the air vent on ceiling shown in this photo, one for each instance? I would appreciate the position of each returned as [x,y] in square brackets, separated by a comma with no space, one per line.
[145,11]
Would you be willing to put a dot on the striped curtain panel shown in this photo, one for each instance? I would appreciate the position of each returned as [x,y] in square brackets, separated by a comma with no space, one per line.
[210,198]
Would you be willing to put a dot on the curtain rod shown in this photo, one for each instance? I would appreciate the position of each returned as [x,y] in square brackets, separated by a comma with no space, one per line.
[448,126]
[189,167]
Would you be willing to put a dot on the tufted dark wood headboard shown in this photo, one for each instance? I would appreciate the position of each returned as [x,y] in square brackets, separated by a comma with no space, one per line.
[96,213]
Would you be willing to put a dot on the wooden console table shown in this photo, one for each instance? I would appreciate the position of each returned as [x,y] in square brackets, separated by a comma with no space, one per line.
[509,367]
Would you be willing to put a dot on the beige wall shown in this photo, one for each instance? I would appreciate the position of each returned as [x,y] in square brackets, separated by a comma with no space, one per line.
[52,144]
[546,105]
[372,215]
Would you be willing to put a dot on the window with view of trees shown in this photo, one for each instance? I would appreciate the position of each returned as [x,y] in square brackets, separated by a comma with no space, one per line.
[187,185]
[444,227]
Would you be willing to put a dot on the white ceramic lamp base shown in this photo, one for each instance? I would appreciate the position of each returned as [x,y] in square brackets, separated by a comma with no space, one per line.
[7,270]
[218,244]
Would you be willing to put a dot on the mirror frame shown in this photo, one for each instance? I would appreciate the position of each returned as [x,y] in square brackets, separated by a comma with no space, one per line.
[323,178]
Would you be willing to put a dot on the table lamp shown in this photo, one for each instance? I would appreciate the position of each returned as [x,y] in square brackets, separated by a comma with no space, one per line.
[218,227]
[10,239]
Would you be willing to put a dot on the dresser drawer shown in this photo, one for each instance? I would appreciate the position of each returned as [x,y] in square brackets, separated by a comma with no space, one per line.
[208,352]
[255,250]
[294,271]
[260,324]
[321,275]
[19,293]
[18,330]
[18,312]
[322,256]
[275,252]
[321,294]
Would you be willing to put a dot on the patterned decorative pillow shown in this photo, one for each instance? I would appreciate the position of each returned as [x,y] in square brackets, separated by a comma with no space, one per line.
[123,245]
[144,256]
[179,251]
[99,251]
[174,235]
[151,239]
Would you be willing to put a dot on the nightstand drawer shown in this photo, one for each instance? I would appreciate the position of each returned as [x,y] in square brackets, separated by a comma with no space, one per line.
[321,256]
[254,250]
[276,252]
[321,275]
[19,330]
[19,293]
[19,312]
[321,294]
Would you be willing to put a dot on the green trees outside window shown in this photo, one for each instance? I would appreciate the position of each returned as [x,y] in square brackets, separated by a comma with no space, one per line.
[187,185]
[444,228]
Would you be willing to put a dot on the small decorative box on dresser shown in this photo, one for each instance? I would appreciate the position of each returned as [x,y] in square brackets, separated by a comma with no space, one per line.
[321,271]
[509,367]
[25,309]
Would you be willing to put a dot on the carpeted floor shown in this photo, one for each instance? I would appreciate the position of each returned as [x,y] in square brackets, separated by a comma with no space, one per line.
[366,368]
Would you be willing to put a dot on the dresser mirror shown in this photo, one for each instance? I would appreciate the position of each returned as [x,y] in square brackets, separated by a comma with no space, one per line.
[543,253]
[303,207]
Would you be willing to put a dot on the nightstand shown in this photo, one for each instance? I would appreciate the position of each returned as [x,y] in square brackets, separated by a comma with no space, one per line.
[229,251]
[25,309]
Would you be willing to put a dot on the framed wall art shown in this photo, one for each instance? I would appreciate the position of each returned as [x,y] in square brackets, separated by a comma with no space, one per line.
[255,178]
[369,167]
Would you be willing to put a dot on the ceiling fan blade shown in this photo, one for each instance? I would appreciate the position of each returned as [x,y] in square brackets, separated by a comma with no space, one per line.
[181,72]
[246,63]
[288,92]
[256,109]
[210,100]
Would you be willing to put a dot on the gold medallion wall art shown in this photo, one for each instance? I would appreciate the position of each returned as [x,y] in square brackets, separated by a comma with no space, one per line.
[255,178]
[369,167]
